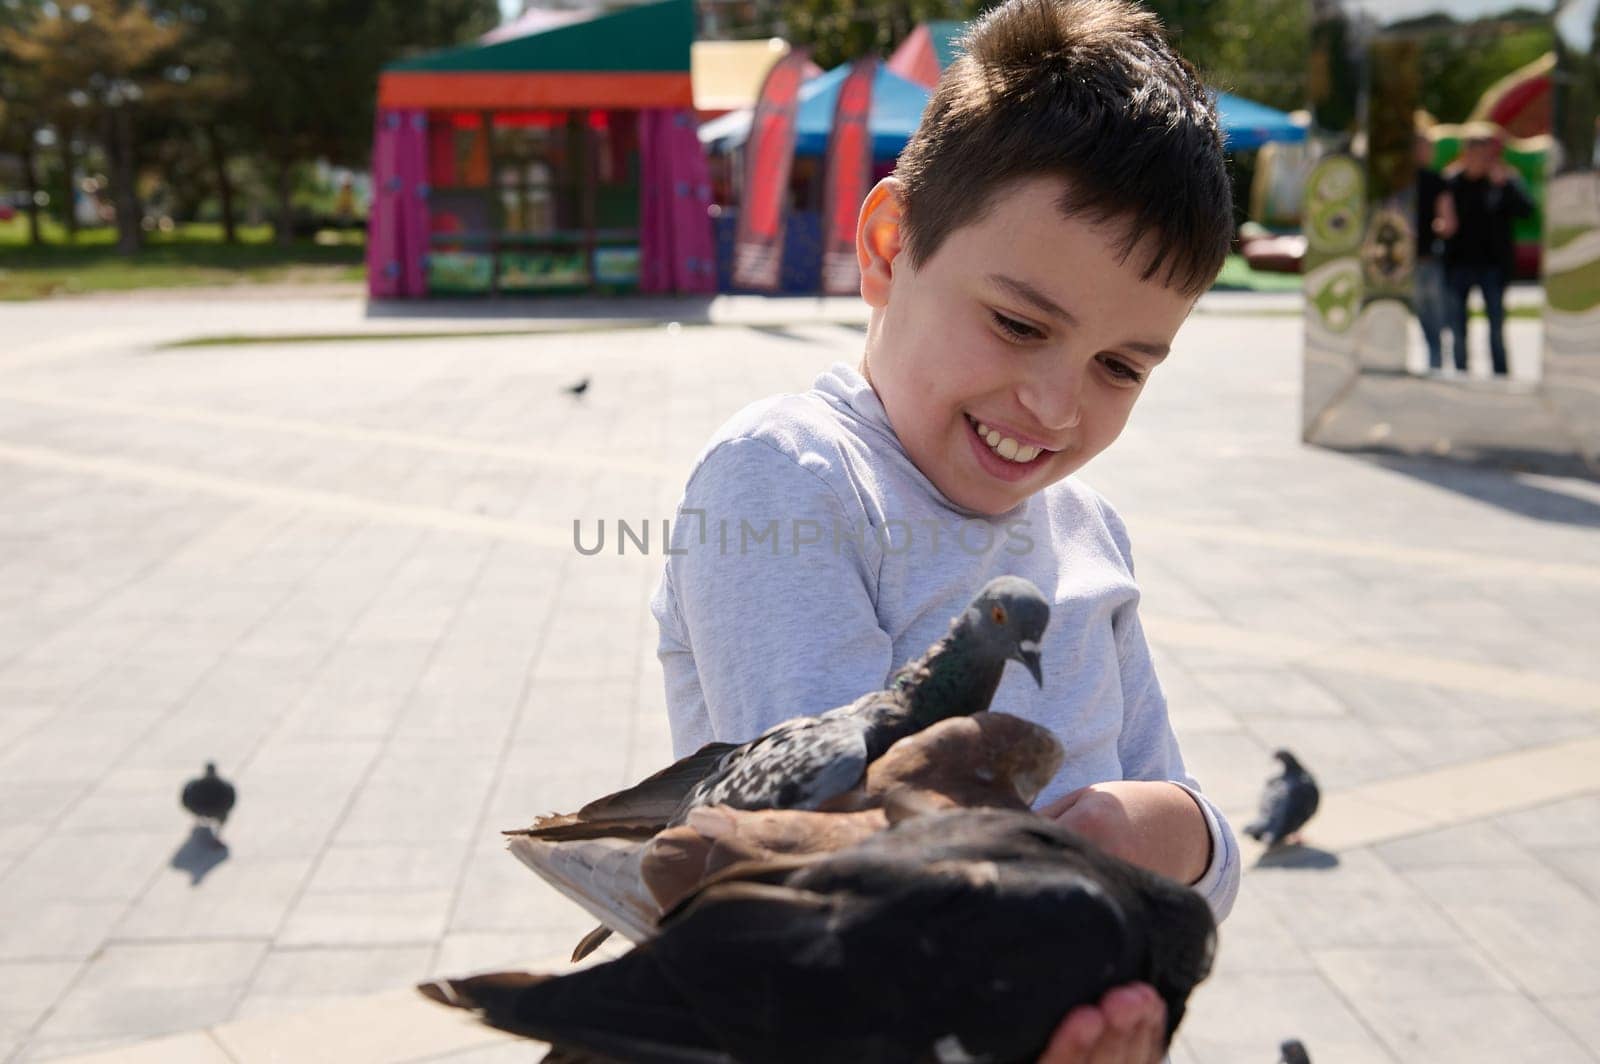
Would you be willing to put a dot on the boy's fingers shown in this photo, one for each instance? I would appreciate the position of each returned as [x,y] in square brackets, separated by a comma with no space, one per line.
[1075,1037]
[1153,1028]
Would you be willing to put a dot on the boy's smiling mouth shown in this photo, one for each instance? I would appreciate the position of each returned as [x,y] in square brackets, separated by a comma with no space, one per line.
[1002,455]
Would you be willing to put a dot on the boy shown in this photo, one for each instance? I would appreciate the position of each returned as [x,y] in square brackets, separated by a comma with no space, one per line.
[1045,233]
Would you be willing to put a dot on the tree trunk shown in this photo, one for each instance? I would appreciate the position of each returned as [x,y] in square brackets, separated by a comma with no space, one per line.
[30,181]
[126,195]
[285,225]
[69,164]
[219,167]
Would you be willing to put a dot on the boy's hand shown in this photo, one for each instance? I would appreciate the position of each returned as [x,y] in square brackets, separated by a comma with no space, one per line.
[1126,1027]
[1150,823]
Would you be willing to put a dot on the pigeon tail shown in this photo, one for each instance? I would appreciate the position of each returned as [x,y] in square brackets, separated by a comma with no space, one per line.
[625,1009]
[601,875]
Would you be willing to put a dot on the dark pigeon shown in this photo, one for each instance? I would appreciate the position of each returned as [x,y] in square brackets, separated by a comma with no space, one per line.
[210,798]
[1292,1051]
[579,388]
[805,762]
[963,935]
[1287,803]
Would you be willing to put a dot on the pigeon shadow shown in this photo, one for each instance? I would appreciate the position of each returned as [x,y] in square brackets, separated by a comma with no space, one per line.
[1298,856]
[200,853]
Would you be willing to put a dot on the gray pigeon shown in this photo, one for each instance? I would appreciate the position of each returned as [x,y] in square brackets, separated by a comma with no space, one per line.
[804,762]
[210,798]
[954,936]
[1293,1052]
[1287,803]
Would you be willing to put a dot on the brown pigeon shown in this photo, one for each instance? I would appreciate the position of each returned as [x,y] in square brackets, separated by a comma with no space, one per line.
[986,760]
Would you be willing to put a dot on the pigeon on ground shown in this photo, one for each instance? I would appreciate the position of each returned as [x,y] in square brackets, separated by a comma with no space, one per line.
[577,389]
[1286,804]
[1293,1052]
[804,762]
[210,798]
[962,935]
[987,760]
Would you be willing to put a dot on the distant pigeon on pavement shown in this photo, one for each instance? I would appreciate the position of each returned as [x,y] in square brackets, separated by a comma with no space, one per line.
[1286,804]
[807,761]
[579,388]
[209,798]
[952,936]
[1293,1052]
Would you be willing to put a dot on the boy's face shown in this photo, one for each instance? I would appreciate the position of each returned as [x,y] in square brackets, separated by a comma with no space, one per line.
[1024,323]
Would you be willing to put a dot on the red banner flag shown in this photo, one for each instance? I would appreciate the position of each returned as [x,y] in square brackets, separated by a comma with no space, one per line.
[768,158]
[849,170]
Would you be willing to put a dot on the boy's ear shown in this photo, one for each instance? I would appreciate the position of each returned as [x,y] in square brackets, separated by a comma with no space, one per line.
[878,240]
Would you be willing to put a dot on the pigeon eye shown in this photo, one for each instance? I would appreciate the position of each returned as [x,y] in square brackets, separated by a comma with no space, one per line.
[999,614]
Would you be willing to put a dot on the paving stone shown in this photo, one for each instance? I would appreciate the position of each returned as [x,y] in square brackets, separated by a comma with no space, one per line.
[1470,1028]
[241,897]
[140,990]
[395,918]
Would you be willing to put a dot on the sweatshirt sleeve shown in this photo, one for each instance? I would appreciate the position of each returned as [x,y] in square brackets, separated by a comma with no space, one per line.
[766,608]
[1148,749]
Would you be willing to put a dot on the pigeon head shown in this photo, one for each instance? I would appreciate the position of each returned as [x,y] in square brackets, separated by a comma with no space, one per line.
[1292,1051]
[1025,752]
[1290,763]
[211,768]
[1007,620]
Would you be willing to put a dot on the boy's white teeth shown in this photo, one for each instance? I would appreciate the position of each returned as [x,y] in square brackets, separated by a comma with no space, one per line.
[1006,447]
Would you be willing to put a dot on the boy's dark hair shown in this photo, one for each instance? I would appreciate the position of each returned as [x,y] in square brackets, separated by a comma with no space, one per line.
[1088,90]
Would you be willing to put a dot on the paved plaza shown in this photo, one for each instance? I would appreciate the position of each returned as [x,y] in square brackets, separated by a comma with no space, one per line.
[343,569]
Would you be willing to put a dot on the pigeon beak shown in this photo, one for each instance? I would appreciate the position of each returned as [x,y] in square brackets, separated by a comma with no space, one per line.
[1028,654]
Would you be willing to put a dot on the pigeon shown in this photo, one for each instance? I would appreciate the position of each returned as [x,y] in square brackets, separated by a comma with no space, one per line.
[577,389]
[209,798]
[804,762]
[991,760]
[1286,804]
[958,935]
[1292,1051]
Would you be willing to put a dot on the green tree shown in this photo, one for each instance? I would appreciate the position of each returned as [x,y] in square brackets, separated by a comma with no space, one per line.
[103,57]
[306,73]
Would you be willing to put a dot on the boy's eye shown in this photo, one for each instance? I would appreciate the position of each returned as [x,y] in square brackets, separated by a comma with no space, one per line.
[1121,370]
[1013,328]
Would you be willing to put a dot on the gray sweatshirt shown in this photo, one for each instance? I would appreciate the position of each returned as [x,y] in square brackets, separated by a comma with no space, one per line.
[810,559]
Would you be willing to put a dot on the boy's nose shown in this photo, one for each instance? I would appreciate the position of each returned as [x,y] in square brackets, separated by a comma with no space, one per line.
[1055,401]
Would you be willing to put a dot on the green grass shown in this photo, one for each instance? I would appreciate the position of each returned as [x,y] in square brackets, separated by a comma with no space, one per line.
[193,254]
[1237,276]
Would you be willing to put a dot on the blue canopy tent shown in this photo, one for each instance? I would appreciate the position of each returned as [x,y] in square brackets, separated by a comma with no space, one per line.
[896,109]
[1246,125]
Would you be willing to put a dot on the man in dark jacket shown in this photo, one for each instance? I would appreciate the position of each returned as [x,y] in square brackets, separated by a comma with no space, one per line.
[1488,198]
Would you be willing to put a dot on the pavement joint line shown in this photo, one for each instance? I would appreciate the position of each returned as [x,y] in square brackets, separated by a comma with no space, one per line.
[1568,692]
[1478,564]
[329,502]
[347,433]
[1447,797]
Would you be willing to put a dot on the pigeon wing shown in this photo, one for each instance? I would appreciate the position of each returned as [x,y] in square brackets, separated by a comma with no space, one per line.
[797,765]
[1299,803]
